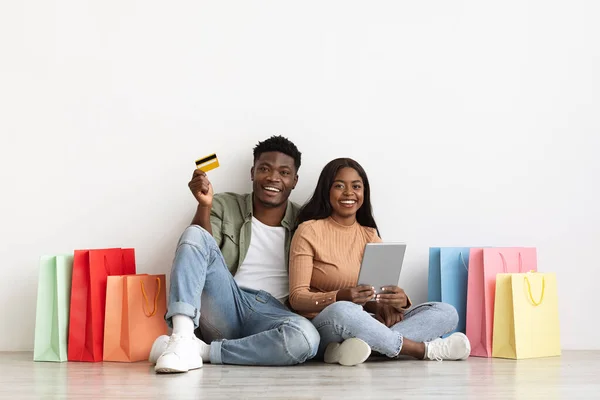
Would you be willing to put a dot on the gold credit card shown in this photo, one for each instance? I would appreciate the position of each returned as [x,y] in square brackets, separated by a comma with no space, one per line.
[207,163]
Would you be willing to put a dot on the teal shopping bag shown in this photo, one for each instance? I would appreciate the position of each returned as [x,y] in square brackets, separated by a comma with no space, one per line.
[448,277]
[52,311]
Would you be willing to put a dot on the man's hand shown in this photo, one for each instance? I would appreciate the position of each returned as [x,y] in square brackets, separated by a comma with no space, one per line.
[357,295]
[388,315]
[393,296]
[201,188]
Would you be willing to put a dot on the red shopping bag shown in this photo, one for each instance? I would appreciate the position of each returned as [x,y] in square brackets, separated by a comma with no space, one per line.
[91,269]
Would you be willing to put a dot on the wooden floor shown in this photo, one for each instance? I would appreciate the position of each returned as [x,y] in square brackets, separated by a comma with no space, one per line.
[575,375]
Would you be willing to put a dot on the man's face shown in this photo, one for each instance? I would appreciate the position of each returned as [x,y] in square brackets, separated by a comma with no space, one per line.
[274,177]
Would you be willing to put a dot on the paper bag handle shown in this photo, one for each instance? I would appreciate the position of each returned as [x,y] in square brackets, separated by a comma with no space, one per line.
[505,267]
[153,313]
[463,261]
[536,303]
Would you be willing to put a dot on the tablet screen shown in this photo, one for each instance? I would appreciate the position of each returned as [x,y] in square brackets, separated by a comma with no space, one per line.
[381,264]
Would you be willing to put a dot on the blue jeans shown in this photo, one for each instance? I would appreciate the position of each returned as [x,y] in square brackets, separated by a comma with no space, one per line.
[245,327]
[423,323]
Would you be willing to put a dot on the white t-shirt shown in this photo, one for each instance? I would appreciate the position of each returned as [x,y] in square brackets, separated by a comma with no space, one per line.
[264,267]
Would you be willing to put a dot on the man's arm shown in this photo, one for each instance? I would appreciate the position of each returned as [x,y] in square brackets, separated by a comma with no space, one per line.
[202,218]
[202,190]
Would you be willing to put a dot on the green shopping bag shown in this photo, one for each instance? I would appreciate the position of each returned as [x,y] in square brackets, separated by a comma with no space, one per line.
[52,312]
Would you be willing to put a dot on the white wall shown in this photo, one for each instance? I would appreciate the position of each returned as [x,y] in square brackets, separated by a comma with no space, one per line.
[478,123]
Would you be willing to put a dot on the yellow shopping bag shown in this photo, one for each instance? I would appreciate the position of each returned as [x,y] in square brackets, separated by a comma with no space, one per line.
[526,316]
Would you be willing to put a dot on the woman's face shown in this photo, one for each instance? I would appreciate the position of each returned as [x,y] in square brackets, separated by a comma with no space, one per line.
[346,195]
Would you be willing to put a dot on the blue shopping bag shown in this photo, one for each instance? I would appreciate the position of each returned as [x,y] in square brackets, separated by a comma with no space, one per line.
[447,283]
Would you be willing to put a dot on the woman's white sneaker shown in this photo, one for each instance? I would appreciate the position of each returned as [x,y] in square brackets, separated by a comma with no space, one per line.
[454,347]
[350,352]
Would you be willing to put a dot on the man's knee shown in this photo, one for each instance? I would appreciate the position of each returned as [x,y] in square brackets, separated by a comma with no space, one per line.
[196,245]
[198,236]
[302,339]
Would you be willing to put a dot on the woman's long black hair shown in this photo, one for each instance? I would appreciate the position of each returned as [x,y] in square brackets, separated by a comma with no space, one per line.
[319,207]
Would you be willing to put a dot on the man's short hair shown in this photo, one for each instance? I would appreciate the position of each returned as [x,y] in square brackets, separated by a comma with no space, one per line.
[281,145]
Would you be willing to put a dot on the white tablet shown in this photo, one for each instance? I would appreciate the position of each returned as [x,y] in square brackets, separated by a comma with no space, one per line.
[381,265]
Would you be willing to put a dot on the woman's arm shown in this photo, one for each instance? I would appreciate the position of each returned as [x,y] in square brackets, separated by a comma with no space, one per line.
[302,298]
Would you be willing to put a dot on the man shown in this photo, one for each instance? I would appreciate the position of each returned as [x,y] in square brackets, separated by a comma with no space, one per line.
[230,273]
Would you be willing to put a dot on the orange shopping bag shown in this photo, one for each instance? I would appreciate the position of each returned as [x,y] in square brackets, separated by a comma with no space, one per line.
[135,310]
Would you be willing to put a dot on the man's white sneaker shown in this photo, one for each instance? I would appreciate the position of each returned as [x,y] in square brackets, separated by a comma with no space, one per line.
[160,345]
[454,347]
[181,355]
[350,352]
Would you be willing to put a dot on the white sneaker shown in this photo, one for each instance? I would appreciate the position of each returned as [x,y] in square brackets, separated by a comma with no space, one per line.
[350,352]
[454,347]
[160,345]
[181,355]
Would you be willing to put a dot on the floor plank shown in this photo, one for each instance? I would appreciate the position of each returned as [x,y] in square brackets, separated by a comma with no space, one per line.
[575,375]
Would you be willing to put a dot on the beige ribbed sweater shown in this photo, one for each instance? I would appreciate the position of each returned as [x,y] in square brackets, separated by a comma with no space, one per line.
[324,258]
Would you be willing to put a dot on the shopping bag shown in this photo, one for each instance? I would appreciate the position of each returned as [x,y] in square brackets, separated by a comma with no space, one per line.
[484,265]
[52,310]
[447,283]
[88,298]
[135,310]
[526,323]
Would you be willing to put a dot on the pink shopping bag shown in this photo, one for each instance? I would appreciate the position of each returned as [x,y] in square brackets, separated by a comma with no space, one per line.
[484,264]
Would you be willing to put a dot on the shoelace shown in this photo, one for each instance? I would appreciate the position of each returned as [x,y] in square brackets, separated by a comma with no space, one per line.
[173,342]
[440,350]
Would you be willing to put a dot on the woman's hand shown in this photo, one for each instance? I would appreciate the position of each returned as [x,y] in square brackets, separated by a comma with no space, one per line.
[388,315]
[392,296]
[357,295]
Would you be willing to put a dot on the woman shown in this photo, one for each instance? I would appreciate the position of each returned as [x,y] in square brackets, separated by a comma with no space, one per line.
[325,257]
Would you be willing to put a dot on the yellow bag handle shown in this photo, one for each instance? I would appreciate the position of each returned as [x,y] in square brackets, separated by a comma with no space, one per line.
[536,303]
[153,313]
